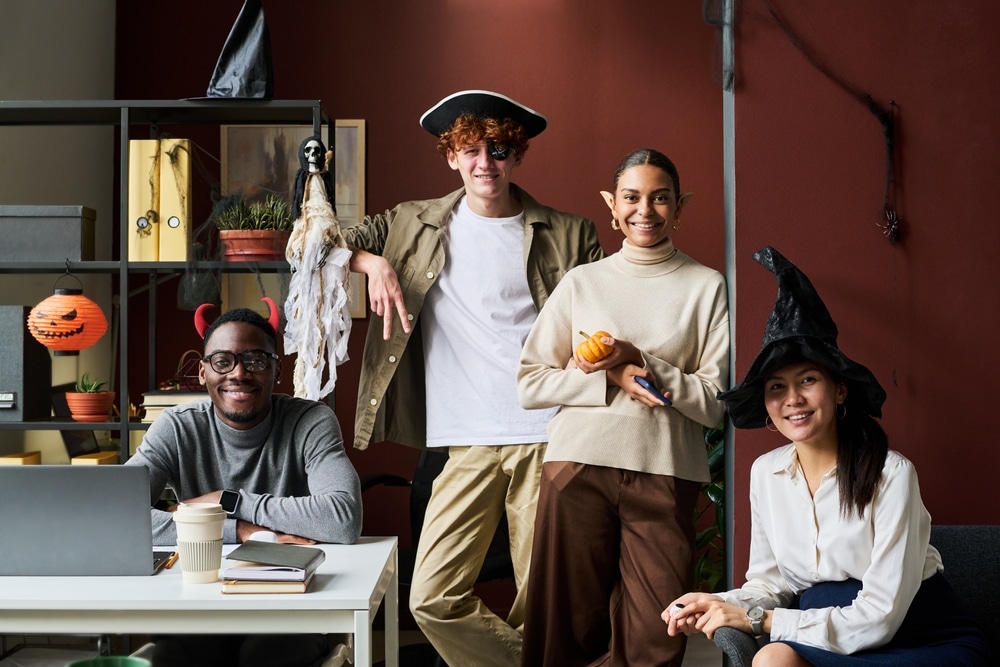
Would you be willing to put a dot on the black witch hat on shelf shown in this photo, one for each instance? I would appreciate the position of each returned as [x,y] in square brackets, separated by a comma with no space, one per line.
[799,328]
[244,68]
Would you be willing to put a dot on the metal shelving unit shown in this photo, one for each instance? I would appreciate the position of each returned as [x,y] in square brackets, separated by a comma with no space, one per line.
[126,115]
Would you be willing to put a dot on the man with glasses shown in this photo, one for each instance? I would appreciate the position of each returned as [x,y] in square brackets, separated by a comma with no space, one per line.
[455,284]
[276,463]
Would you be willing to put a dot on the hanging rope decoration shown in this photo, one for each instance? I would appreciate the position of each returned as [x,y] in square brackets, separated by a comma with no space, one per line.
[889,222]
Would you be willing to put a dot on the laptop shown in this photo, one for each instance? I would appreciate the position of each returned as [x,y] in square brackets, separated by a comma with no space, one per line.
[75,520]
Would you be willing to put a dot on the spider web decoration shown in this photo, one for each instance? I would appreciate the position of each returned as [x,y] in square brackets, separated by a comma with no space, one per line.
[889,221]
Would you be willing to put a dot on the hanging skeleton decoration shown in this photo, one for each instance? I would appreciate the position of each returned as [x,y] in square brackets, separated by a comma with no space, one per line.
[317,310]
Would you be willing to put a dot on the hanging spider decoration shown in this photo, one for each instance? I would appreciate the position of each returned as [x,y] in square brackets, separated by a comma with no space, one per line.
[890,227]
[889,222]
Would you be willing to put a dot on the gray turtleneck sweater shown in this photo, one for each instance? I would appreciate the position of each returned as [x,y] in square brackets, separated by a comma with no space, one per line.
[291,470]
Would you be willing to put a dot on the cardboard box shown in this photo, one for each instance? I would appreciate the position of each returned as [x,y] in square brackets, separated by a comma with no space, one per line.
[47,233]
[21,459]
[25,368]
[97,458]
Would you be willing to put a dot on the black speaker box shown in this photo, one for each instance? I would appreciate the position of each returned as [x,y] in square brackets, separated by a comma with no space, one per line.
[25,369]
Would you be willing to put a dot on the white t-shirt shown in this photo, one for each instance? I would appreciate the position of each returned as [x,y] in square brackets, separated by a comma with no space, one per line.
[475,319]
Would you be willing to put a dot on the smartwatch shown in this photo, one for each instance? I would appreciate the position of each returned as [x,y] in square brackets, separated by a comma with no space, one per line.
[230,500]
[756,617]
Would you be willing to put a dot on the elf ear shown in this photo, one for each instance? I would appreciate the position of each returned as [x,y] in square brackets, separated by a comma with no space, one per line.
[683,200]
[609,199]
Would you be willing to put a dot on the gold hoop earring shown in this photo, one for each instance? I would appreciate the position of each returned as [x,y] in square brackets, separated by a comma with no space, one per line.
[841,414]
[677,224]
[614,224]
[768,423]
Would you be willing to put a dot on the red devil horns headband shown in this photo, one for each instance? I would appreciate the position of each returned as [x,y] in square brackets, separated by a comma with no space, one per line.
[201,324]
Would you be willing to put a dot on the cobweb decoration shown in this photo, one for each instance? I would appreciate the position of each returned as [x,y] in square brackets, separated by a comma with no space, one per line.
[890,223]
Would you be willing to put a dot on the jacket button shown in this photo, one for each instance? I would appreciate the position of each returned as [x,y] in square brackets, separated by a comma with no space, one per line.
[392,358]
[430,274]
[373,401]
[409,316]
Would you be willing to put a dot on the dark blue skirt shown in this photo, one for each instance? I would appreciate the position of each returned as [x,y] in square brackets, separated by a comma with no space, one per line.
[938,630]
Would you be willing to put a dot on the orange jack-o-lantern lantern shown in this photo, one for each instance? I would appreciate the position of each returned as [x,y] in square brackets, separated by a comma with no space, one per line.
[67,321]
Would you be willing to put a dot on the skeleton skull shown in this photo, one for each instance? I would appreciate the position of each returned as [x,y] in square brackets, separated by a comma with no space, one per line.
[314,155]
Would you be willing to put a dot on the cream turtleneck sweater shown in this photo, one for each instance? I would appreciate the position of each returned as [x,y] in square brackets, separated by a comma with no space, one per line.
[675,311]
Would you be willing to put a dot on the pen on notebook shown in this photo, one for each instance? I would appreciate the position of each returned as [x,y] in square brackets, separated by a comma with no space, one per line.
[170,561]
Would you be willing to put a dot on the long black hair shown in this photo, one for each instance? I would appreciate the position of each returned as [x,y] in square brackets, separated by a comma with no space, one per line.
[862,446]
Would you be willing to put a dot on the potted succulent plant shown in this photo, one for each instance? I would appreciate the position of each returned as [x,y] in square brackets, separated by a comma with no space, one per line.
[253,231]
[89,403]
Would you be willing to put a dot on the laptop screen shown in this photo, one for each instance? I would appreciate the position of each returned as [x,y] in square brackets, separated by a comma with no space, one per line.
[75,520]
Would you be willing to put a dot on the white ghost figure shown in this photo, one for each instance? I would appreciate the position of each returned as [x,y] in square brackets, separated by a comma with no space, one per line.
[317,310]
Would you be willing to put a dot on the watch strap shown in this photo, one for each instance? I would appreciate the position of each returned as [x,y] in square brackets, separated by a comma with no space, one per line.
[756,617]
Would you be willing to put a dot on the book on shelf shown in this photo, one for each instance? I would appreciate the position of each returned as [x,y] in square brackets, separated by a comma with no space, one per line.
[156,401]
[251,586]
[270,561]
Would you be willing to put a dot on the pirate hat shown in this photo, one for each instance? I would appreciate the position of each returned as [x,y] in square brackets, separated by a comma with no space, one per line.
[439,118]
[799,328]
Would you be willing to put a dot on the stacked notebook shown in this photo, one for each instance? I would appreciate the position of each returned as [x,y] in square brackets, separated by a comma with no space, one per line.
[267,567]
[155,402]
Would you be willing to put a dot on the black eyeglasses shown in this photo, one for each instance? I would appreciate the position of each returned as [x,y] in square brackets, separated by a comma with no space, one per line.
[254,361]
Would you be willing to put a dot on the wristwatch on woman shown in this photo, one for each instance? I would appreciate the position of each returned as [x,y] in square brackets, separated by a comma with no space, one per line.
[756,617]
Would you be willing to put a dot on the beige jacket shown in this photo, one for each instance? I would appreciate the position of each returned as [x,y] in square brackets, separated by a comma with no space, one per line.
[391,391]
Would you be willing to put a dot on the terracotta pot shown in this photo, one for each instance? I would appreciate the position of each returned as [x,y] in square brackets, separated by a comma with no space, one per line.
[90,406]
[254,245]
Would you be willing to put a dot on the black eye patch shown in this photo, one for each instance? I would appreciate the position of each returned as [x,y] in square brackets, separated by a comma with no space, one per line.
[498,152]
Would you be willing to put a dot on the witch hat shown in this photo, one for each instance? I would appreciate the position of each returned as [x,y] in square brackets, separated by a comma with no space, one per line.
[244,66]
[799,328]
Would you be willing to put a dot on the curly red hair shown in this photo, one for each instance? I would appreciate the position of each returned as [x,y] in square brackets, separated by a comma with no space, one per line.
[470,129]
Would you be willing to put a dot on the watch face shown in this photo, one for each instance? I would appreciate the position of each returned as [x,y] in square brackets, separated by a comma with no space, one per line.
[755,613]
[229,501]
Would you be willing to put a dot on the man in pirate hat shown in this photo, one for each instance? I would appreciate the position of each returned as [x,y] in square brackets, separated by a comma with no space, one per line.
[276,464]
[455,284]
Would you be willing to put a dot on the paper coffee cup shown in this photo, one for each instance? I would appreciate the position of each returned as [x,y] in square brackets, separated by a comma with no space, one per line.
[199,541]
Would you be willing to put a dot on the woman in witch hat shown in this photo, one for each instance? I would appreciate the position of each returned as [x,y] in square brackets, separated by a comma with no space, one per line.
[837,518]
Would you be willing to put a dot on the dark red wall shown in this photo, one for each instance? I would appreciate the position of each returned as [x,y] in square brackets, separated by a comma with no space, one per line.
[610,77]
[809,180]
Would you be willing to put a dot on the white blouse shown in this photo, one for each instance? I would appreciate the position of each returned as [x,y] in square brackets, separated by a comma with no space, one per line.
[798,541]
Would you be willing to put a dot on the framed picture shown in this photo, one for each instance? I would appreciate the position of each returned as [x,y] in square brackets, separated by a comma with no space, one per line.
[349,171]
[260,159]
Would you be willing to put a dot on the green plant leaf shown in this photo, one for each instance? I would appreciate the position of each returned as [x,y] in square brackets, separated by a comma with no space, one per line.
[716,493]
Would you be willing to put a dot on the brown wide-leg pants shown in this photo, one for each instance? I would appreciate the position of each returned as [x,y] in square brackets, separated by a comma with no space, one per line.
[612,548]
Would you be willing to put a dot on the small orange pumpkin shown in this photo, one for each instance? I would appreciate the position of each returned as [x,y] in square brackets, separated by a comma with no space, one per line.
[593,349]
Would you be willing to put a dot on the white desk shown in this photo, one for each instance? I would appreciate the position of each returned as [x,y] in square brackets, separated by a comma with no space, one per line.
[345,595]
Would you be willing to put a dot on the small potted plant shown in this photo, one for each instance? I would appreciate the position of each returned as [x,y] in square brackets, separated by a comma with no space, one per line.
[89,403]
[253,231]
